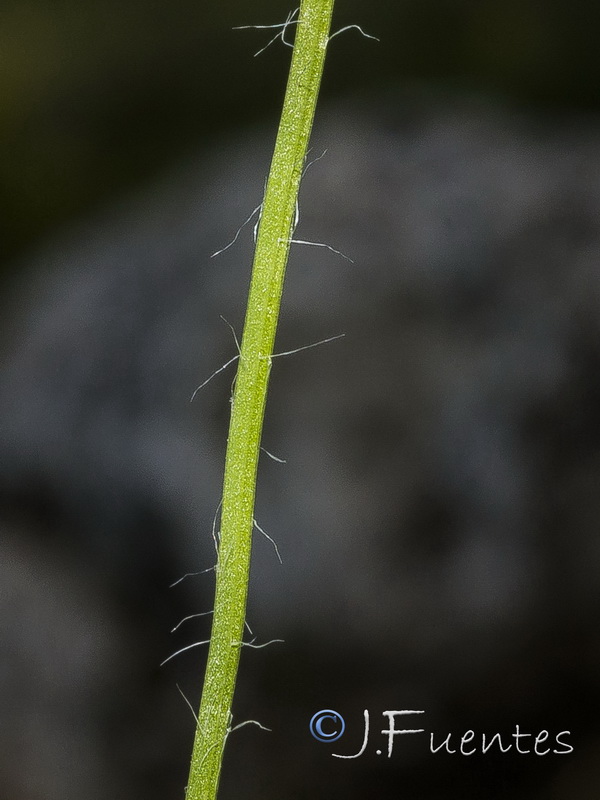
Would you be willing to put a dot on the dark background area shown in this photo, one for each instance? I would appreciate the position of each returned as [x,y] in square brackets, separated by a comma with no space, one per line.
[98,96]
[438,512]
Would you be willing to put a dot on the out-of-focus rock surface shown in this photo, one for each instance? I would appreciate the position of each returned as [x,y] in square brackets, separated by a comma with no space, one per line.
[438,512]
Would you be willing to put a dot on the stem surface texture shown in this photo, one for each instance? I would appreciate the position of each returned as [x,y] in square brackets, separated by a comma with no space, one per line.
[243,445]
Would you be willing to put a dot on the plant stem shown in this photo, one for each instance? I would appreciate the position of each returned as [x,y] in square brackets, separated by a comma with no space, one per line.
[243,445]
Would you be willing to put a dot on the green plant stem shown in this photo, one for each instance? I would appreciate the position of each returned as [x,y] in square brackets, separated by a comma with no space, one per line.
[243,446]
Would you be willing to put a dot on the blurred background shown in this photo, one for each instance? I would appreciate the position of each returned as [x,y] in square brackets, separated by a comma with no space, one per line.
[99,96]
[438,513]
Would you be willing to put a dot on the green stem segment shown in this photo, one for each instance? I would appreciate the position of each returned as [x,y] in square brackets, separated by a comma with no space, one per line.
[243,446]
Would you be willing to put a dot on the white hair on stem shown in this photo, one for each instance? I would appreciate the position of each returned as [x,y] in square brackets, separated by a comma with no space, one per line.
[248,722]
[355,27]
[239,230]
[215,533]
[266,535]
[232,329]
[281,35]
[314,161]
[191,616]
[191,575]
[183,649]
[306,346]
[278,460]
[256,646]
[215,373]
[190,706]
[319,244]
[203,614]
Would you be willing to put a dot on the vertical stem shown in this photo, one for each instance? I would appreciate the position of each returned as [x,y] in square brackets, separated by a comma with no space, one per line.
[243,445]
